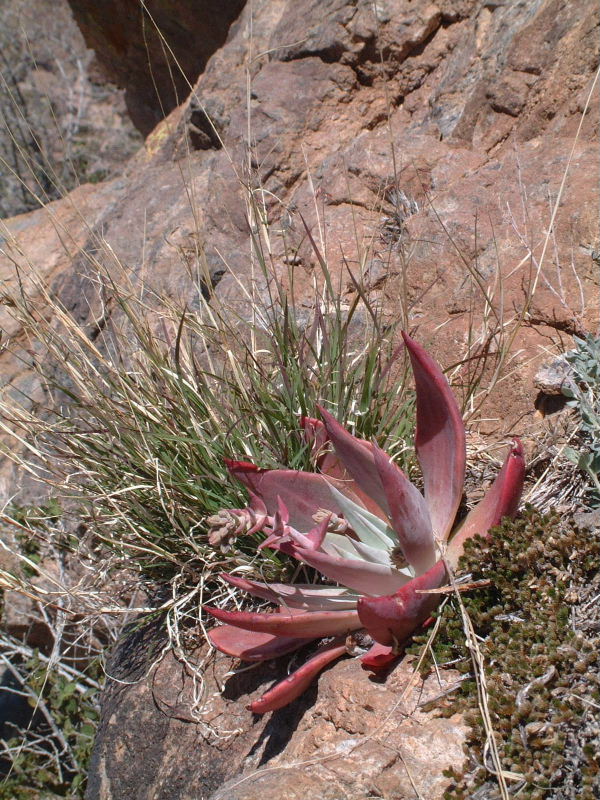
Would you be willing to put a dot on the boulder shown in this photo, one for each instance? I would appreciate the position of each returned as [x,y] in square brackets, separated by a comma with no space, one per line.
[170,734]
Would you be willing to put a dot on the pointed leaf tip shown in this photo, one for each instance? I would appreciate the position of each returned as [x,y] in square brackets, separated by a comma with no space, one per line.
[295,684]
[439,439]
[501,500]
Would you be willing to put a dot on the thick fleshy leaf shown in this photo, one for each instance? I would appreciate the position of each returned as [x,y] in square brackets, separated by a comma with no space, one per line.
[295,684]
[338,545]
[252,646]
[369,528]
[390,619]
[408,512]
[315,624]
[330,465]
[303,493]
[315,434]
[357,457]
[378,657]
[439,440]
[360,576]
[501,500]
[375,555]
[308,597]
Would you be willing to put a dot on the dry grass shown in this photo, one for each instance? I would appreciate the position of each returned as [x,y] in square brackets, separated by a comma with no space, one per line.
[138,417]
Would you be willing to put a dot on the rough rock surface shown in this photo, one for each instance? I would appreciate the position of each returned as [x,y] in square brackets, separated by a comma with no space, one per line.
[351,739]
[427,146]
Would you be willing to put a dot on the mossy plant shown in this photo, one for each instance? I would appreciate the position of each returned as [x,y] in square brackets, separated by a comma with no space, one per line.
[538,624]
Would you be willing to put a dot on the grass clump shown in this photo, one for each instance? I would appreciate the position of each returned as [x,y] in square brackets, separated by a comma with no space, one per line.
[141,412]
[538,627]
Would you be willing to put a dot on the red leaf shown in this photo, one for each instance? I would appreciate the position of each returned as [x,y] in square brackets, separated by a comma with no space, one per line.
[329,464]
[408,513]
[309,597]
[316,436]
[378,658]
[313,625]
[357,457]
[360,576]
[439,440]
[390,619]
[303,493]
[501,500]
[295,684]
[241,466]
[252,646]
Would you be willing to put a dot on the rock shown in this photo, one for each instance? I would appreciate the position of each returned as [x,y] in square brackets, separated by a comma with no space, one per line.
[63,122]
[588,521]
[351,738]
[473,128]
[551,377]
[154,51]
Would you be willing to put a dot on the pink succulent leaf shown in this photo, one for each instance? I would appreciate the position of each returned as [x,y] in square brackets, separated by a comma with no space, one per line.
[302,492]
[374,555]
[316,436]
[357,457]
[501,500]
[308,597]
[313,625]
[264,590]
[328,462]
[369,528]
[390,619]
[345,547]
[378,657]
[360,576]
[408,513]
[295,684]
[260,512]
[338,546]
[252,646]
[439,440]
[317,535]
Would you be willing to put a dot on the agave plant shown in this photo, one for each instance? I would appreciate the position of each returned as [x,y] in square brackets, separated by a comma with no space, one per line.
[381,544]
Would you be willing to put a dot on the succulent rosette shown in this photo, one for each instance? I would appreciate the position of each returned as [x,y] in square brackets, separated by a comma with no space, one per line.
[381,544]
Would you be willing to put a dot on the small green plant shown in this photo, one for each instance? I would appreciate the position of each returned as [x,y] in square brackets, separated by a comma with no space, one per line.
[536,619]
[583,391]
[50,753]
[30,525]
